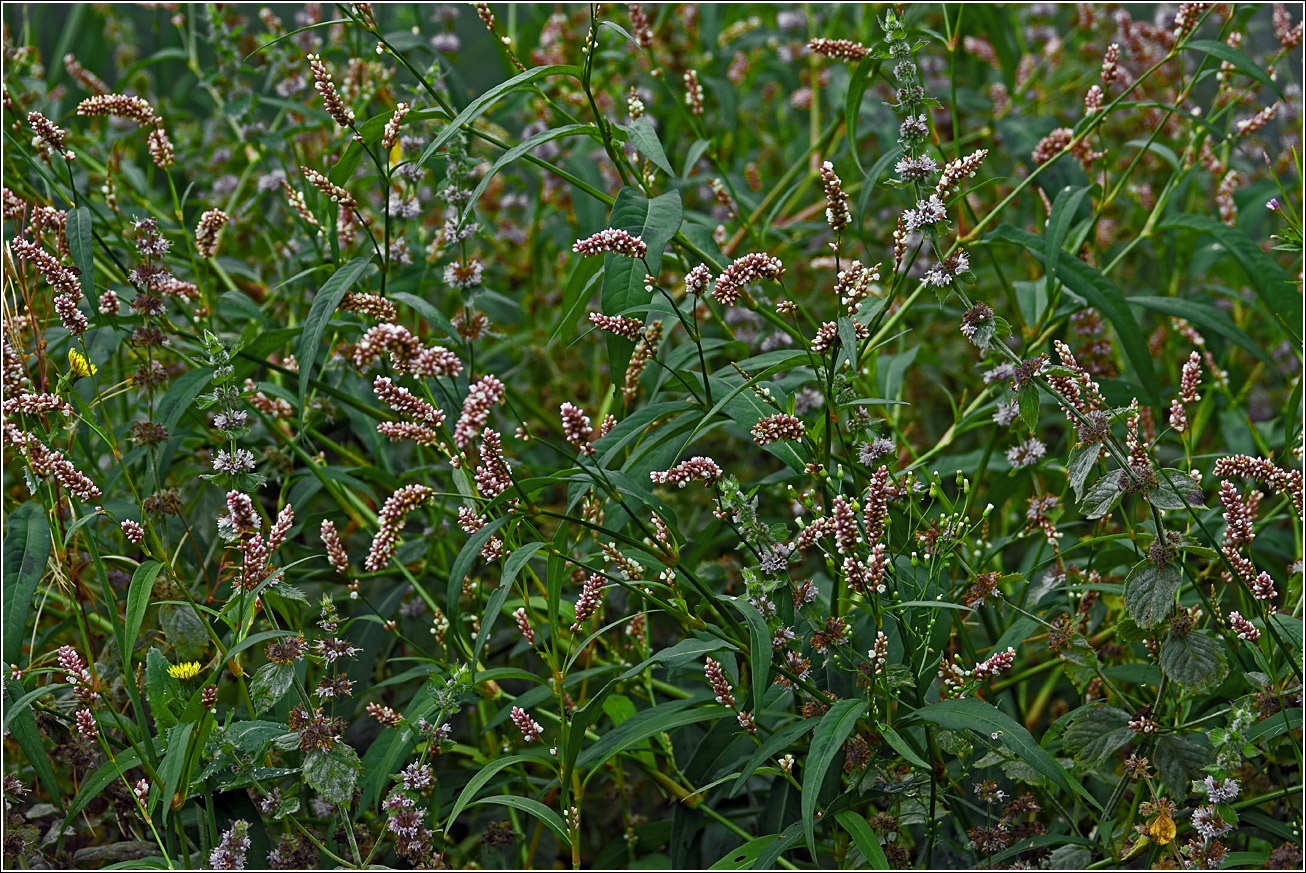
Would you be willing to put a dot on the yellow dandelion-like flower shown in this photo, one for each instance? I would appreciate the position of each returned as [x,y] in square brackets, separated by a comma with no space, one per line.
[185,670]
[79,365]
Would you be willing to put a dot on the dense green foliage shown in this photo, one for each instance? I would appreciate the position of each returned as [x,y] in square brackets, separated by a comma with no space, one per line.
[662,437]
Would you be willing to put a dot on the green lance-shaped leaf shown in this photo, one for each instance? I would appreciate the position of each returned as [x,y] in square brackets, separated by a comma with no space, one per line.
[834,728]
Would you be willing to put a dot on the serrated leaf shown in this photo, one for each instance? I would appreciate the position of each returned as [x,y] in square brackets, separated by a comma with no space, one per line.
[1028,400]
[1080,463]
[333,772]
[1178,761]
[1194,660]
[1096,733]
[1150,591]
[270,684]
[1176,490]
[1102,496]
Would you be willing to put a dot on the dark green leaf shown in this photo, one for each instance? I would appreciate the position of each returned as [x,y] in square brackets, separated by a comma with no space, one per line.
[646,141]
[174,760]
[138,599]
[1098,731]
[1150,591]
[1080,463]
[1028,398]
[1178,761]
[1102,496]
[1194,660]
[478,107]
[864,837]
[835,726]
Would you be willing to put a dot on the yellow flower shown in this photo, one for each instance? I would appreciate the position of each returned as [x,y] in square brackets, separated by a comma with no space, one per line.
[186,670]
[396,154]
[1161,829]
[80,365]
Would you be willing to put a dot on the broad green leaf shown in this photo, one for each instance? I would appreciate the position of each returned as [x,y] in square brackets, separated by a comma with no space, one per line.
[1028,400]
[1080,463]
[663,717]
[525,146]
[26,553]
[24,731]
[157,686]
[835,726]
[1102,496]
[181,395]
[461,566]
[1100,292]
[901,746]
[138,600]
[645,139]
[1194,660]
[270,684]
[325,303]
[858,81]
[656,221]
[575,296]
[864,837]
[427,311]
[759,655]
[1179,759]
[1282,300]
[332,772]
[977,715]
[1096,732]
[1150,591]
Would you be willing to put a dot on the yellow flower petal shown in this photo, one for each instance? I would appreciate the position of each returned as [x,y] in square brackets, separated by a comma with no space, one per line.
[1161,829]
[185,670]
[79,365]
